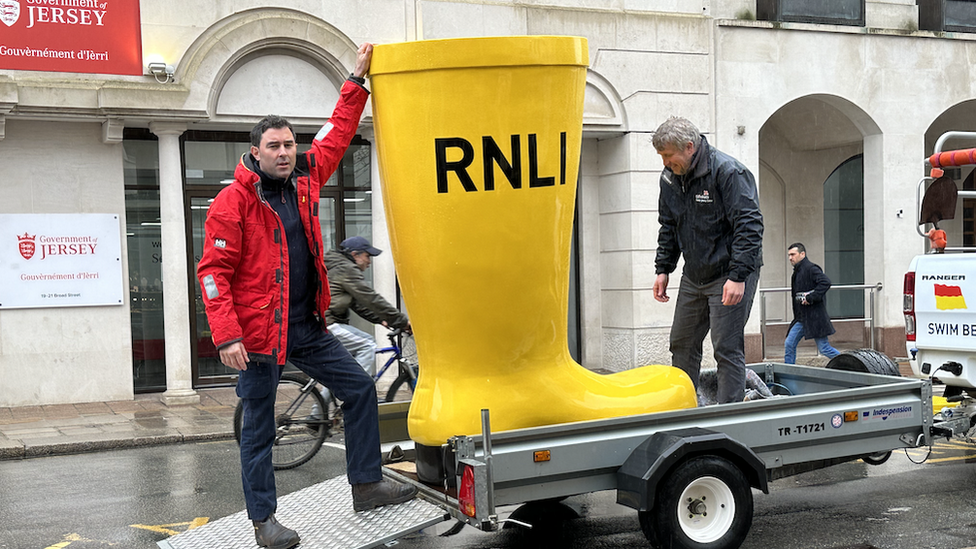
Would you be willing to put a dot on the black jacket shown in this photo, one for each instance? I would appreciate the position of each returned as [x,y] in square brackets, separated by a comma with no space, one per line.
[808,277]
[711,216]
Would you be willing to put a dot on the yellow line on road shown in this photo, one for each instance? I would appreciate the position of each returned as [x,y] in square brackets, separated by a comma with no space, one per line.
[68,540]
[956,458]
[168,528]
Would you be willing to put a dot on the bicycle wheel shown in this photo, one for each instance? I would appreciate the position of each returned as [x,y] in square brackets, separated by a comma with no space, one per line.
[300,425]
[403,386]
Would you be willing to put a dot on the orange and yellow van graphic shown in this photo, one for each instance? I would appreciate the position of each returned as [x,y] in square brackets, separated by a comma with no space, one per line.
[949,297]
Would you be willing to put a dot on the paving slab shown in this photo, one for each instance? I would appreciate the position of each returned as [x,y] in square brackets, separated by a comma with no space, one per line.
[36,431]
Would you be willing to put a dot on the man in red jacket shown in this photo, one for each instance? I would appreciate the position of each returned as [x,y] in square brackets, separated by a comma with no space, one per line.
[266,293]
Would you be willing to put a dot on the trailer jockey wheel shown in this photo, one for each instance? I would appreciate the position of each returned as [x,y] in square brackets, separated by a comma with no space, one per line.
[705,503]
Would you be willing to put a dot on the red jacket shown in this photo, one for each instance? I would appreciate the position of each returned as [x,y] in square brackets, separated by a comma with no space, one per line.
[244,269]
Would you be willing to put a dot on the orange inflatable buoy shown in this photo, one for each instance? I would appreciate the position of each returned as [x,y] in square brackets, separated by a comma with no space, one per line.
[937,239]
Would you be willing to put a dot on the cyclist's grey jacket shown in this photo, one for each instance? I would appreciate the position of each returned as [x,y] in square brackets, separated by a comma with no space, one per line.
[711,216]
[350,291]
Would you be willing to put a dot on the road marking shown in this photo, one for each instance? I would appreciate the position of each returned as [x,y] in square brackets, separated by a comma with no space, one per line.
[68,540]
[956,458]
[168,528]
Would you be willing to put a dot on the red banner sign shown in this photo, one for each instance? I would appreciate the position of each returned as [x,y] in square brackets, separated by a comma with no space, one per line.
[90,36]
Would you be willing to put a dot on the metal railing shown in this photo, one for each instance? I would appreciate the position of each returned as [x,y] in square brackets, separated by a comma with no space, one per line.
[868,317]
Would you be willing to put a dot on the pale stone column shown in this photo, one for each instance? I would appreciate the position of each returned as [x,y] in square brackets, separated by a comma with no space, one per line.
[176,305]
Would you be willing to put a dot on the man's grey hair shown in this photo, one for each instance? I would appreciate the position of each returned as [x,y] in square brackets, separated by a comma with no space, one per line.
[676,132]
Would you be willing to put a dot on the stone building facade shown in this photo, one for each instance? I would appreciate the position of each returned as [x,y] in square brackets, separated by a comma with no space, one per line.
[833,112]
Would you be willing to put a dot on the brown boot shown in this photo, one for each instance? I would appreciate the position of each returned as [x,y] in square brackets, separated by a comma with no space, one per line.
[375,494]
[271,534]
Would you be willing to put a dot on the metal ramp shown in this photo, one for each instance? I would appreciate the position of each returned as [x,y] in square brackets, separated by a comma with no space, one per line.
[322,515]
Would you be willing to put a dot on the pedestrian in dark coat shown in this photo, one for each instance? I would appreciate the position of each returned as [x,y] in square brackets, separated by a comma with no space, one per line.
[809,291]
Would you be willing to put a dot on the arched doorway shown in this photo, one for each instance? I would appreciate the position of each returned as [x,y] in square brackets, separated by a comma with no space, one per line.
[814,153]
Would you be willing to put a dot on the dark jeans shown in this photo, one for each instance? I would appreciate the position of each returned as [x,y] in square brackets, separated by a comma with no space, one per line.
[322,357]
[699,309]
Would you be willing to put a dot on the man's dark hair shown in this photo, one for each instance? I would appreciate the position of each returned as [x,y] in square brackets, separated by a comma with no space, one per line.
[272,121]
[799,247]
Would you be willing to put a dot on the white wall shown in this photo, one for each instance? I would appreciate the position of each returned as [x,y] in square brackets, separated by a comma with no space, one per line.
[72,354]
[893,84]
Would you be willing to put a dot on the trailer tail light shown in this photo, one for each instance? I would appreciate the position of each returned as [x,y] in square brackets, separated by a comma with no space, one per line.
[466,492]
[908,304]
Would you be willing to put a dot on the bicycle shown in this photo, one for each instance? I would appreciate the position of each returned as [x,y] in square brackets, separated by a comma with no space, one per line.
[405,357]
[301,427]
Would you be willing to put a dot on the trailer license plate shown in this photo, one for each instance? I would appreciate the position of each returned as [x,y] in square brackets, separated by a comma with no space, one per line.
[801,429]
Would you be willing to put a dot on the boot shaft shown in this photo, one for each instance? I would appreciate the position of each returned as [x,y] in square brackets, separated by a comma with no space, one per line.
[480,162]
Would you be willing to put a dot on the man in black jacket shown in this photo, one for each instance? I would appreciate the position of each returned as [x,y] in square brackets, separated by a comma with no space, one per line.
[810,319]
[709,214]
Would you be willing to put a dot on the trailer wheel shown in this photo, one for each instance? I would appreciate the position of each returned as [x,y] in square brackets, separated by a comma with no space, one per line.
[706,503]
[876,459]
[867,361]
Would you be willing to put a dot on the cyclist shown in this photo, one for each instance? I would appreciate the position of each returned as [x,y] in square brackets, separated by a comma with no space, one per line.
[350,291]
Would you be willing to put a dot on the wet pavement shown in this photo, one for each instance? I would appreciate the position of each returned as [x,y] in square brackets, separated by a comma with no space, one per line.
[35,431]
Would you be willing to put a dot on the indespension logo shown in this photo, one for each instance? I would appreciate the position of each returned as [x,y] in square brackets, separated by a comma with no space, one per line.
[9,12]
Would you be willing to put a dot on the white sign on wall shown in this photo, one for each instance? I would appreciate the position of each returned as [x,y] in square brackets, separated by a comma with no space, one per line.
[60,260]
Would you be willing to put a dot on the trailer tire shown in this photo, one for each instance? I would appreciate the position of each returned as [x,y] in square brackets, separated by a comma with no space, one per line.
[705,503]
[866,361]
[876,459]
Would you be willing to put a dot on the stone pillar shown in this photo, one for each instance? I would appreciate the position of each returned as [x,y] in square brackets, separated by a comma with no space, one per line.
[176,305]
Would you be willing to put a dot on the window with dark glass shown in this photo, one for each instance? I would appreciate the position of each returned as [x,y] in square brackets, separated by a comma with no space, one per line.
[968,212]
[843,228]
[947,15]
[144,247]
[830,12]
[209,161]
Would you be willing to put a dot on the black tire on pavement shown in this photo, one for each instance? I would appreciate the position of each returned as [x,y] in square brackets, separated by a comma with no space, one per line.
[300,427]
[705,503]
[401,388]
[866,361]
[876,459]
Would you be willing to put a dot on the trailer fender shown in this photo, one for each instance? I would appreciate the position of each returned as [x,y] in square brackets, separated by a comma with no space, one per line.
[651,461]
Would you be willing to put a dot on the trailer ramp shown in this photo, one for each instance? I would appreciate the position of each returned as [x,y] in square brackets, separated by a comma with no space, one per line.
[322,515]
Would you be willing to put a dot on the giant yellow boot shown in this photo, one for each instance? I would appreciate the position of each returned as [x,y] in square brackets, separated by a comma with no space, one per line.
[479,143]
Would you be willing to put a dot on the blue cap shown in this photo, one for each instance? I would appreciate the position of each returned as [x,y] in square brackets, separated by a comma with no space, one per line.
[359,244]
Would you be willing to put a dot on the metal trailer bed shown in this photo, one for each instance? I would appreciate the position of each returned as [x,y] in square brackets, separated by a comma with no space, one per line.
[832,416]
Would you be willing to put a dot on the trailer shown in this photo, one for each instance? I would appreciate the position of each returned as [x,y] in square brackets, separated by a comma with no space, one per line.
[689,474]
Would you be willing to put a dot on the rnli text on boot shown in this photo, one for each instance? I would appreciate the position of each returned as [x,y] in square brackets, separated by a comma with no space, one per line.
[492,155]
